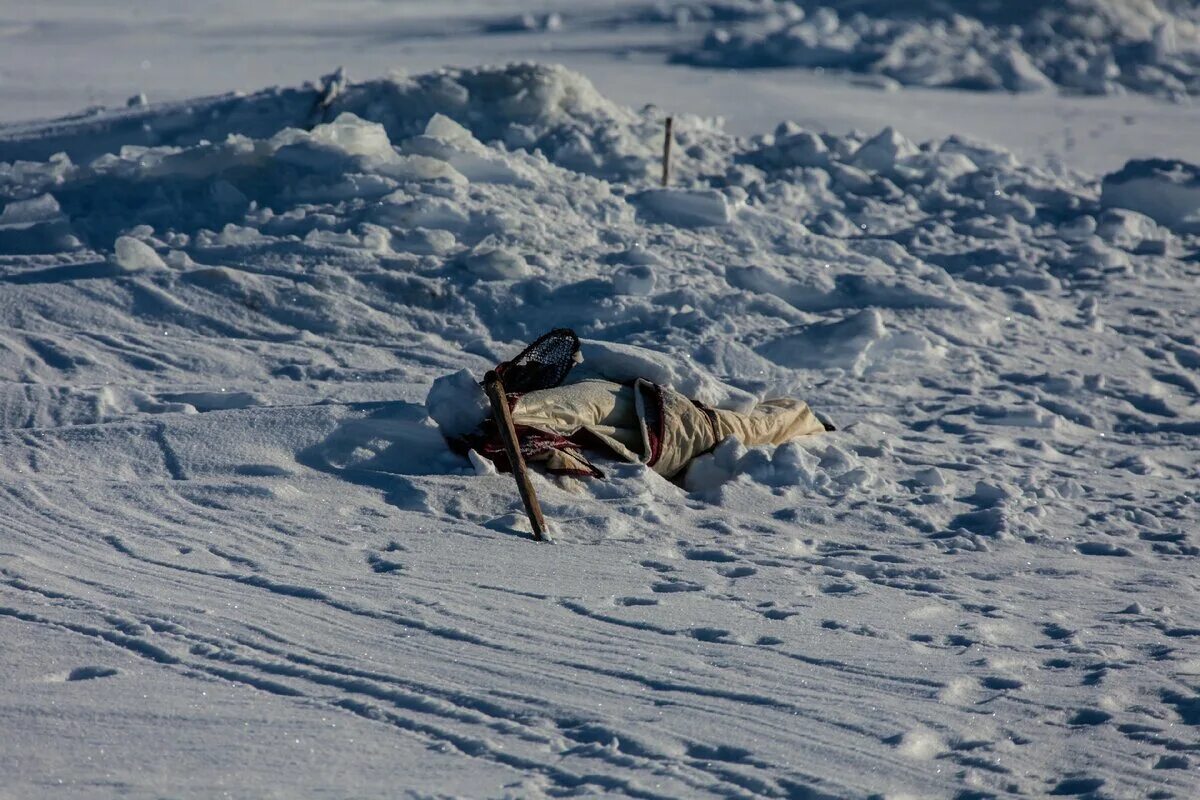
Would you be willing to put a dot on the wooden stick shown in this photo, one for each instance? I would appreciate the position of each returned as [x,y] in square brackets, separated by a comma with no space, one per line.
[666,165]
[508,432]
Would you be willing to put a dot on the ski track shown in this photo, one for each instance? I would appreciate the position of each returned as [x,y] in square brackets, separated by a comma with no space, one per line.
[822,714]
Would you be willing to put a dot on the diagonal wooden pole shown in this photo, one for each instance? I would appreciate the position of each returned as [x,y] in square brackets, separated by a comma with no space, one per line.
[508,433]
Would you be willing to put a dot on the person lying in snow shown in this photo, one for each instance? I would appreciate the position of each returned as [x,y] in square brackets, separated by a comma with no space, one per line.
[632,418]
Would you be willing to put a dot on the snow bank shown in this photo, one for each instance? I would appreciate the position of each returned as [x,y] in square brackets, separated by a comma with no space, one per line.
[1088,46]
[531,107]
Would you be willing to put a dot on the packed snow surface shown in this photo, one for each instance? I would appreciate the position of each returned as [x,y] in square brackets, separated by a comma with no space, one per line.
[239,558]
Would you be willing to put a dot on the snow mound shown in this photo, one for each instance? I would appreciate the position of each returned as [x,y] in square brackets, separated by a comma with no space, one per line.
[531,107]
[1166,191]
[806,466]
[858,344]
[1087,46]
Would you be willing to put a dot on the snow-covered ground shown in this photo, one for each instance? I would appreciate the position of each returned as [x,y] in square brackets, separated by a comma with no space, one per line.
[238,558]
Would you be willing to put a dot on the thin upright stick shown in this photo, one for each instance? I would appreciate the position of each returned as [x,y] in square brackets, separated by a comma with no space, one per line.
[666,171]
[508,432]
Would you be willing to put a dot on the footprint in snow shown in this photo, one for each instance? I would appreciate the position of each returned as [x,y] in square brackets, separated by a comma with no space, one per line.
[1102,549]
[778,613]
[1088,717]
[85,673]
[710,634]
[723,752]
[1076,786]
[675,585]
[1057,632]
[91,672]
[709,554]
[383,565]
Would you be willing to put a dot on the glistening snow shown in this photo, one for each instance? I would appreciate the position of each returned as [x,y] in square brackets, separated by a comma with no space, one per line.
[238,557]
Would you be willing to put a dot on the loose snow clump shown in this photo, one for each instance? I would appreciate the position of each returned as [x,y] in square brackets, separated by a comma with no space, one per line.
[457,403]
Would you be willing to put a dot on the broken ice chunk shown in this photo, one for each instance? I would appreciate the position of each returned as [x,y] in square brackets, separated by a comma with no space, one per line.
[132,255]
[686,208]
